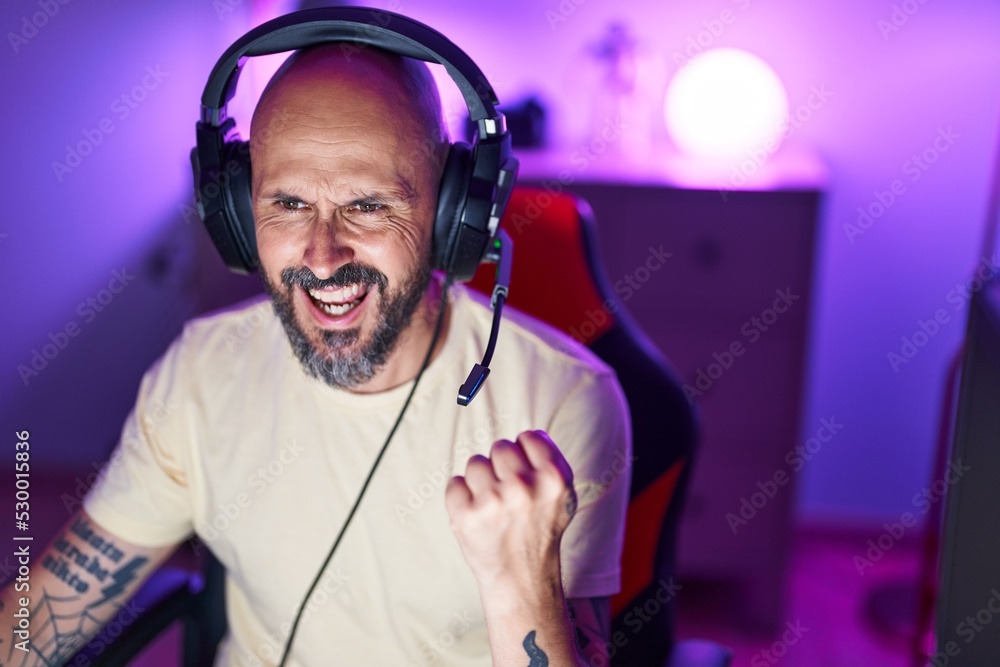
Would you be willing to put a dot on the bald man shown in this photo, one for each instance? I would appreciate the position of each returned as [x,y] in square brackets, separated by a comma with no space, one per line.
[258,443]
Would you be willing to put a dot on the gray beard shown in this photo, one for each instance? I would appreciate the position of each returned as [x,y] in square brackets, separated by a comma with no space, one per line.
[330,361]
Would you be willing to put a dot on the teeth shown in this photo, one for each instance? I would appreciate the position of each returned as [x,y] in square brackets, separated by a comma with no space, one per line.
[333,309]
[338,296]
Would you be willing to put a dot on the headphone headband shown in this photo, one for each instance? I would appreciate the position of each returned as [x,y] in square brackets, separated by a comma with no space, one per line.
[385,30]
[476,180]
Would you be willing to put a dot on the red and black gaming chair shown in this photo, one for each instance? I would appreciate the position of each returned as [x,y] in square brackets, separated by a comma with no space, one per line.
[557,277]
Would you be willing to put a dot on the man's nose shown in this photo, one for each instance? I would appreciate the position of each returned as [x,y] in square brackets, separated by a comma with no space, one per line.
[328,248]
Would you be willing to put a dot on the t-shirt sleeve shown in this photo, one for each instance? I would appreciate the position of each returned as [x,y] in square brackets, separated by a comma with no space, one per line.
[592,429]
[142,493]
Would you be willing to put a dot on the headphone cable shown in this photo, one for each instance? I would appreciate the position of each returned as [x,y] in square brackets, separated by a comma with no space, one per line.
[364,487]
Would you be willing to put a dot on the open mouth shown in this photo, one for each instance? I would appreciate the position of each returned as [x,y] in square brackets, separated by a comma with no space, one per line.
[338,301]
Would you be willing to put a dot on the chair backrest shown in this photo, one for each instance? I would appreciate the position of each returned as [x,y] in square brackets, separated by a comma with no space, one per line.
[557,277]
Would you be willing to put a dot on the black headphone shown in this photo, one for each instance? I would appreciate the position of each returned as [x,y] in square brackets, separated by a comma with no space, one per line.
[477,179]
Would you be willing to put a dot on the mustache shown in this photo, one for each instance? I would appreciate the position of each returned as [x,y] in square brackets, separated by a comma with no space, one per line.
[348,274]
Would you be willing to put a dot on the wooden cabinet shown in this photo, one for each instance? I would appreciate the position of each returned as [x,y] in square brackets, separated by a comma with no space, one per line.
[730,311]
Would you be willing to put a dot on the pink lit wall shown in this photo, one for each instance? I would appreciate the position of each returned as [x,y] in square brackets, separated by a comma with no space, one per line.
[929,86]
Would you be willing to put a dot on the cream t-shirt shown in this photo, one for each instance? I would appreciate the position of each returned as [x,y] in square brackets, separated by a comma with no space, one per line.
[232,441]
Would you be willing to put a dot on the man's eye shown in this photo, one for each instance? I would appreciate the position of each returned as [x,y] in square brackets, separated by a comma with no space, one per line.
[369,208]
[291,204]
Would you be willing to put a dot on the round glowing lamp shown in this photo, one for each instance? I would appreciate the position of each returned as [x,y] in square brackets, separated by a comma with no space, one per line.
[724,104]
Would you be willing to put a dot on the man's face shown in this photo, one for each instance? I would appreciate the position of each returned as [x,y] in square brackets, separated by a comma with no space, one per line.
[344,204]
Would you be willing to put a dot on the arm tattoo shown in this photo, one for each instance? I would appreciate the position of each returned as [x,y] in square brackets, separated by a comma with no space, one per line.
[62,622]
[537,655]
[571,502]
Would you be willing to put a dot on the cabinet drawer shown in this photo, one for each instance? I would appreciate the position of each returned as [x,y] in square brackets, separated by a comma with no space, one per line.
[725,254]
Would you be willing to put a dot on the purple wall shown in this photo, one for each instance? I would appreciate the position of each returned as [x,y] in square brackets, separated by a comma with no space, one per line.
[124,204]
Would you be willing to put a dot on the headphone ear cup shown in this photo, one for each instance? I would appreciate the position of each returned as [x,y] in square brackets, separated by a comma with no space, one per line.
[237,202]
[452,195]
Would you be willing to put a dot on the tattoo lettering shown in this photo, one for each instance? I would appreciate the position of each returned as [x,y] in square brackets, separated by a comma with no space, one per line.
[537,655]
[75,564]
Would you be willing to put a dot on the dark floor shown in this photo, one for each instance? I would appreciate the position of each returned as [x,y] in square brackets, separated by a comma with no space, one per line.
[843,619]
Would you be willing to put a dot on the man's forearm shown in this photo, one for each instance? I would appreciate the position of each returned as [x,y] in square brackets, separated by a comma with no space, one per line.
[71,589]
[529,626]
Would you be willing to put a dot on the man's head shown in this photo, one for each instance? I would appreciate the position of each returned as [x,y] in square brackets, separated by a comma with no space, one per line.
[347,149]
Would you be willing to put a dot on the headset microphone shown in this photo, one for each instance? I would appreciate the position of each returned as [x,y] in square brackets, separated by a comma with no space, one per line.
[502,254]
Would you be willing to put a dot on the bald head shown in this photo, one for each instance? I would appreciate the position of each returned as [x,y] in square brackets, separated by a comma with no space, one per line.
[333,83]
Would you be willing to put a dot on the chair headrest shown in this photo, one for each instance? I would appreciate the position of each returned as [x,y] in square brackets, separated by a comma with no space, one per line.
[554,277]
